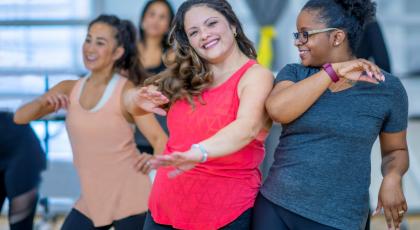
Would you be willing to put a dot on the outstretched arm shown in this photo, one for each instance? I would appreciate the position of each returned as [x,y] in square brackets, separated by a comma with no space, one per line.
[252,118]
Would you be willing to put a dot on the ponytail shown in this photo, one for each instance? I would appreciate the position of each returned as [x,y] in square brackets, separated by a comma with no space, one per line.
[126,38]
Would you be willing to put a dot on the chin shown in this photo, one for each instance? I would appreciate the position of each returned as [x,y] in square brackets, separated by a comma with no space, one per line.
[214,56]
[305,62]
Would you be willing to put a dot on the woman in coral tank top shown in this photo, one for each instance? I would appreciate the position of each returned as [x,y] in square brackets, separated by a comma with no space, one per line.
[208,177]
[100,118]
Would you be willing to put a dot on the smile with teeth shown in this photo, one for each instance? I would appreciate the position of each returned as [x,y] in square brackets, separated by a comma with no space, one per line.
[210,44]
[303,51]
[91,57]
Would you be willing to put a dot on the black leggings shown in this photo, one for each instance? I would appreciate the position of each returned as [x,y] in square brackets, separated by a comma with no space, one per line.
[21,207]
[243,222]
[76,220]
[269,216]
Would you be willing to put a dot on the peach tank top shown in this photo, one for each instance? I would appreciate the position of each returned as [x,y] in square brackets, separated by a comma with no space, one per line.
[103,154]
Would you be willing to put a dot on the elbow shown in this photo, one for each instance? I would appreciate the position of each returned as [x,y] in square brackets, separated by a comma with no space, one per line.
[252,132]
[276,113]
[18,119]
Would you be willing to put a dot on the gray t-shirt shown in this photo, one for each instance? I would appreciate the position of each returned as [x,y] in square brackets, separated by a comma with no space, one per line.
[321,166]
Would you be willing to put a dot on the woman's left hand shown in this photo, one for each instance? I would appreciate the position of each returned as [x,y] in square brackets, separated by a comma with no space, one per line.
[391,199]
[182,161]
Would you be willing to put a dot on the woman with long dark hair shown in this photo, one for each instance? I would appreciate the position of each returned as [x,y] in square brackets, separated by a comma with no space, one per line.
[101,114]
[153,46]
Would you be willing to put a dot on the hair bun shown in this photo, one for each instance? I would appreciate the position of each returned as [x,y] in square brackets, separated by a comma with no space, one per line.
[363,10]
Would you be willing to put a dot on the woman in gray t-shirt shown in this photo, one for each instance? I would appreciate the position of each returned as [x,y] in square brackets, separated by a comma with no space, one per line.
[333,107]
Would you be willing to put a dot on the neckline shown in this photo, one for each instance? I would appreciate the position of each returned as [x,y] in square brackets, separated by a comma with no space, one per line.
[106,94]
[250,62]
[344,90]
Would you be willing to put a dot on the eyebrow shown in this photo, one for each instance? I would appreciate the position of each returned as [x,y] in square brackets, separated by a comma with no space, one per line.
[102,39]
[203,23]
[305,28]
[99,38]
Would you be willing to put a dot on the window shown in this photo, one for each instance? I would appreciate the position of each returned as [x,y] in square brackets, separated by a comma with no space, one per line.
[40,45]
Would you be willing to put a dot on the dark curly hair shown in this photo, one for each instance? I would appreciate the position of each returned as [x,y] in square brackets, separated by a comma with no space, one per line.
[165,43]
[125,36]
[348,15]
[188,74]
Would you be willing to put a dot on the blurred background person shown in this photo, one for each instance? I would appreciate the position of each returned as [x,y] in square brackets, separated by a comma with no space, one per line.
[154,24]
[22,160]
[372,46]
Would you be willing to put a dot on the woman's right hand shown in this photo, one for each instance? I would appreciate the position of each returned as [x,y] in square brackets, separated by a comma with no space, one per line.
[359,70]
[150,99]
[57,100]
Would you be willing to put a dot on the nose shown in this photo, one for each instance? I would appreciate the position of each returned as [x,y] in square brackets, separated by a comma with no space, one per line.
[297,42]
[88,47]
[204,34]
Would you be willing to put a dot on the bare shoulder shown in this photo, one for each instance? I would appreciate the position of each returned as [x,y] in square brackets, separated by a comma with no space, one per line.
[64,87]
[258,73]
[128,85]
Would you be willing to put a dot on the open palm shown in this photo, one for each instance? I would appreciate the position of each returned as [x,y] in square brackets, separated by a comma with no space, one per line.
[151,100]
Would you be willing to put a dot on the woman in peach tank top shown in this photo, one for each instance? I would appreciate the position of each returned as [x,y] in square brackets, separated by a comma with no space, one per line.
[208,177]
[101,112]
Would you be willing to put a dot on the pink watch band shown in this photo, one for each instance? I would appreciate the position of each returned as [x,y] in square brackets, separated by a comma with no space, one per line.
[331,72]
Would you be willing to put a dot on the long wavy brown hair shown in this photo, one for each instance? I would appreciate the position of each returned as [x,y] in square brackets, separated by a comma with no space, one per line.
[187,74]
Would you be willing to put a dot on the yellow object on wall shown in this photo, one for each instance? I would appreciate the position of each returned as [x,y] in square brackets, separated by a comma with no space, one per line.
[265,48]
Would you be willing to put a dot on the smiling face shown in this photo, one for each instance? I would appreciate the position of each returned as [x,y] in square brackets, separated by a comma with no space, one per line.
[209,33]
[100,48]
[318,48]
[156,20]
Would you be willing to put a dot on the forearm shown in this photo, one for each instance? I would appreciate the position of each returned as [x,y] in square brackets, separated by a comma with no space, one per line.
[290,103]
[232,138]
[32,111]
[159,145]
[395,163]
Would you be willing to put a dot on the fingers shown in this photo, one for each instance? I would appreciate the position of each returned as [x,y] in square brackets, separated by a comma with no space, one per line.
[378,208]
[161,161]
[388,218]
[400,212]
[152,95]
[175,173]
[142,163]
[396,219]
[58,101]
[159,111]
[64,101]
[369,72]
[366,78]
[374,69]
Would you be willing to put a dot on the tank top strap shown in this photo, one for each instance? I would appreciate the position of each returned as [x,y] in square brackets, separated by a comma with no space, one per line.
[236,77]
[117,92]
[74,94]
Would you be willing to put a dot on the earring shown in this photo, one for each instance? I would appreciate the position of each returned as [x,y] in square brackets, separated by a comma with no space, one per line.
[235,34]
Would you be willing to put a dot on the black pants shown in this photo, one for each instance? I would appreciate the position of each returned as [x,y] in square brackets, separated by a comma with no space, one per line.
[269,216]
[243,222]
[21,206]
[76,220]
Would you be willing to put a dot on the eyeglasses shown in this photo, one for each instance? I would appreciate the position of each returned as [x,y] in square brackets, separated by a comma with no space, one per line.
[302,37]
